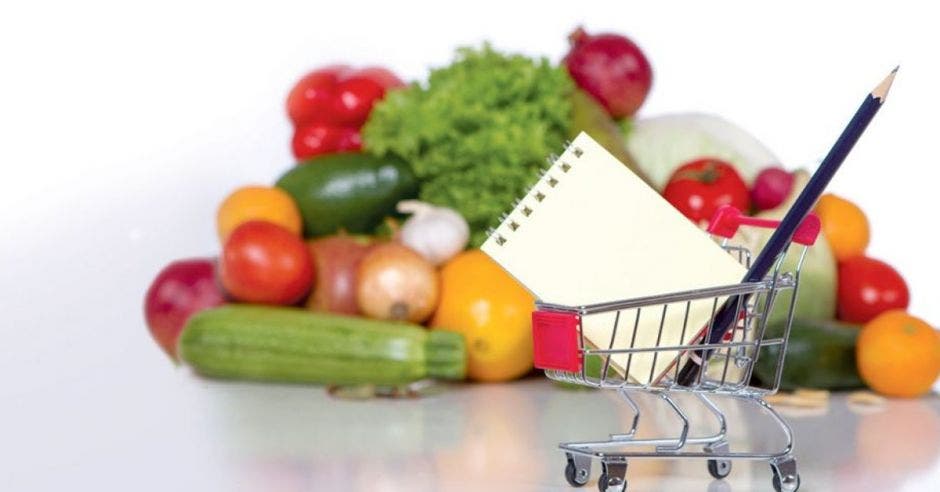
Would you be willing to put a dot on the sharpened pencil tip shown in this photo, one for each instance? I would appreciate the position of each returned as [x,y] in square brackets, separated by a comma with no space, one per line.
[881,91]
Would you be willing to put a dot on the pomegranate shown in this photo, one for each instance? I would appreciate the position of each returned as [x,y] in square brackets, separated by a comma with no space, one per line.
[611,68]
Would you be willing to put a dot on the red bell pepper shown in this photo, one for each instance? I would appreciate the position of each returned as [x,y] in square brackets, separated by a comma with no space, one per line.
[328,106]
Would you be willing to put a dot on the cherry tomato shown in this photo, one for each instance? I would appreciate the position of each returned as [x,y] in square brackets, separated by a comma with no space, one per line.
[698,188]
[266,264]
[180,290]
[869,287]
[314,140]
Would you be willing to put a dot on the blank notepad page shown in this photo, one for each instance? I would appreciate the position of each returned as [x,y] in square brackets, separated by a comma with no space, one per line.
[592,231]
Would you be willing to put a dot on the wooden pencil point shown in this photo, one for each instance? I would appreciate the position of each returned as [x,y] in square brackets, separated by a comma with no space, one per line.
[881,91]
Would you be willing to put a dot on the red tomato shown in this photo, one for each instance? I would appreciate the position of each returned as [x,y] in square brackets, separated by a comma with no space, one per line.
[314,140]
[266,264]
[698,188]
[869,287]
[180,290]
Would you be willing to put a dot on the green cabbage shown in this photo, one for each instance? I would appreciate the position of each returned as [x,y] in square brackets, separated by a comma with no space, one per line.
[477,134]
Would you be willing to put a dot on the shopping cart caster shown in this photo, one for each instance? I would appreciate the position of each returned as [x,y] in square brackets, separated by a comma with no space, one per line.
[613,477]
[786,479]
[718,468]
[578,469]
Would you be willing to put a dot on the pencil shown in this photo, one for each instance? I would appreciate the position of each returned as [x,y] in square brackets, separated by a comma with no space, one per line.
[727,316]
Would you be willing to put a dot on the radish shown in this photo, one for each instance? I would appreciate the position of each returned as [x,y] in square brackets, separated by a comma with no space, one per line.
[771,187]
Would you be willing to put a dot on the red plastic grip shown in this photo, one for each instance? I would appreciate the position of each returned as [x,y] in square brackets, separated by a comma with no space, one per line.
[555,341]
[728,219]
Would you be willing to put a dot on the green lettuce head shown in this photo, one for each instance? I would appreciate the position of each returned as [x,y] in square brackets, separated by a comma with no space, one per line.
[477,134]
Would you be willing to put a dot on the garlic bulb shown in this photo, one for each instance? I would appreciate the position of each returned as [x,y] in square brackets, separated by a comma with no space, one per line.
[436,233]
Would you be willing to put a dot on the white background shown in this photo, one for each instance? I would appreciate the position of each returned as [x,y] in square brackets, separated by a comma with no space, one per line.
[123,124]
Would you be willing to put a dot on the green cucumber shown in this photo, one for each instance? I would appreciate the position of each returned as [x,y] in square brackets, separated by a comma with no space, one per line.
[349,191]
[820,354]
[264,343]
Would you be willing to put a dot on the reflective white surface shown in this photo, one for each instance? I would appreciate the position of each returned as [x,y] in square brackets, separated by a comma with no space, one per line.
[184,433]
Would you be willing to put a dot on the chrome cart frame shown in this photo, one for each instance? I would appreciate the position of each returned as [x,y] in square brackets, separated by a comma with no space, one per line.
[728,368]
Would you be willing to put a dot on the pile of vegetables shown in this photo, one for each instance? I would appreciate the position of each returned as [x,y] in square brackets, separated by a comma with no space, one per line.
[391,185]
[353,266]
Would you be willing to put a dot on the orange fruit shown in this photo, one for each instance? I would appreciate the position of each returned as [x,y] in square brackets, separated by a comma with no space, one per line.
[258,203]
[844,225]
[493,312]
[898,354]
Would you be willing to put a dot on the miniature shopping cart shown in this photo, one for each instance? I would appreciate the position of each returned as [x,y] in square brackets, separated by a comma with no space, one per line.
[562,349]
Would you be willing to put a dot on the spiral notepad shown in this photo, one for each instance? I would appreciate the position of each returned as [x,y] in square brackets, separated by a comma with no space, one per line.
[592,231]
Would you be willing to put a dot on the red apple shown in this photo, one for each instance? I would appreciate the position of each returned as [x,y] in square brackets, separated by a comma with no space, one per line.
[181,289]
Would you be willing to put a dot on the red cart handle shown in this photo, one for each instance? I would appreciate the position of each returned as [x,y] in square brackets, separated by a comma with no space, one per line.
[728,219]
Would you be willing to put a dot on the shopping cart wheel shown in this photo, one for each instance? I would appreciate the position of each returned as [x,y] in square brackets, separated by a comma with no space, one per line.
[786,479]
[792,486]
[719,468]
[613,478]
[578,469]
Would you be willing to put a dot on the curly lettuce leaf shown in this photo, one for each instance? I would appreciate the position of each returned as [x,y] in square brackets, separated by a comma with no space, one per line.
[478,132]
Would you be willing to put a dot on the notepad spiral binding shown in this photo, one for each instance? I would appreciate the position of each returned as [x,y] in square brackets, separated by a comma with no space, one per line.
[548,178]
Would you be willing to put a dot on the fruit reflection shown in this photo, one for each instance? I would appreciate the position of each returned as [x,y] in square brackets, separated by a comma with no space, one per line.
[892,445]
[500,435]
[904,439]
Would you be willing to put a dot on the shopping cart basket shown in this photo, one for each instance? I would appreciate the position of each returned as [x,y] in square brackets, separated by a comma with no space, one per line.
[562,350]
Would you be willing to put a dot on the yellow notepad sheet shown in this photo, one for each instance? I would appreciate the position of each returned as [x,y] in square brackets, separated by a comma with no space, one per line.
[592,231]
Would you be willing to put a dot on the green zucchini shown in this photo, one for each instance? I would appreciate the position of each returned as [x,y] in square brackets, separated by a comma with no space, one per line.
[820,354]
[293,345]
[349,191]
